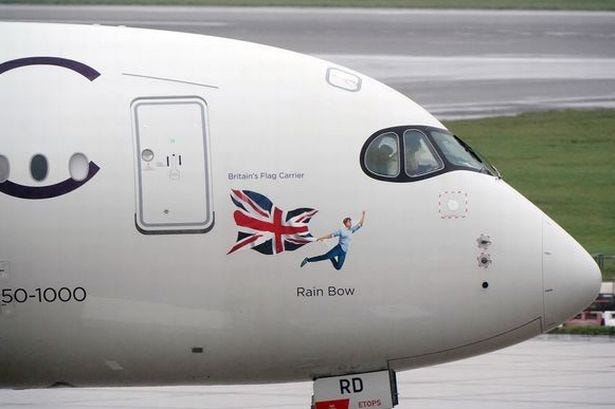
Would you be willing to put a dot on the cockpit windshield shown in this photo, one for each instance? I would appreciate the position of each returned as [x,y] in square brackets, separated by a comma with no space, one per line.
[413,152]
[458,153]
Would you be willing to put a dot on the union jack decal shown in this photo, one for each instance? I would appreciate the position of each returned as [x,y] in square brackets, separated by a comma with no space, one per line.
[267,228]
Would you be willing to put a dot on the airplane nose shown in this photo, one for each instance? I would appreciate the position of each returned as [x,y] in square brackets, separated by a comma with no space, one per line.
[571,277]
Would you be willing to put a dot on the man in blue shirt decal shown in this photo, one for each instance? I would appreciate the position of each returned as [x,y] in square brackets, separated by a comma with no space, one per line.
[337,254]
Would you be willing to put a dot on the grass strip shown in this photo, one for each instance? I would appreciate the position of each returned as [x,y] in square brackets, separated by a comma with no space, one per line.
[453,4]
[562,161]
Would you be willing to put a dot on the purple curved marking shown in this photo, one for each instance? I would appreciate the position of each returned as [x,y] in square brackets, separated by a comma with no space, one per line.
[80,68]
[46,192]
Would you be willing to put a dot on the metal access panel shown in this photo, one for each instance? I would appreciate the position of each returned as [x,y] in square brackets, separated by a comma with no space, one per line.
[173,169]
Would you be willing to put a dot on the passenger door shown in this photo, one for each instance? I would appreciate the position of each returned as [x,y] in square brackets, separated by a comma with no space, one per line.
[174,192]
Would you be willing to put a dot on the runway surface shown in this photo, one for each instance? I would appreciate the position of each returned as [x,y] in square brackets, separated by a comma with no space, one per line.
[558,372]
[455,63]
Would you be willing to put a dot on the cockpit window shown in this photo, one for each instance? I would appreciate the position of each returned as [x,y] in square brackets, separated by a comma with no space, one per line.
[411,153]
[420,157]
[458,152]
[382,155]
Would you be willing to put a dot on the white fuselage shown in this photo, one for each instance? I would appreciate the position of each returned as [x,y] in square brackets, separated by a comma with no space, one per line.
[163,302]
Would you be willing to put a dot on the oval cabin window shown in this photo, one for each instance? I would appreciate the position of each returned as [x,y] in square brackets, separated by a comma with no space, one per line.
[39,167]
[5,169]
[78,167]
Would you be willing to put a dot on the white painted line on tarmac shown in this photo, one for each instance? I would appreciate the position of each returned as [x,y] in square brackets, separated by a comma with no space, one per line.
[463,68]
[136,23]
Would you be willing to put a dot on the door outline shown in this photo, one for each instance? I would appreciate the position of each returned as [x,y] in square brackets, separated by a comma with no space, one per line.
[141,225]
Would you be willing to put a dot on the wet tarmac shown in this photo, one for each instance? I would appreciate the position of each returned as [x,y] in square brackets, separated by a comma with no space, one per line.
[559,372]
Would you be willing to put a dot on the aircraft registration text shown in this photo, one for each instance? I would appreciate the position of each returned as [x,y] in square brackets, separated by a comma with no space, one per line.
[42,295]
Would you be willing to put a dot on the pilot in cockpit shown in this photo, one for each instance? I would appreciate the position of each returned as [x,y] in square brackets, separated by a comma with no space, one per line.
[382,160]
[419,159]
[382,157]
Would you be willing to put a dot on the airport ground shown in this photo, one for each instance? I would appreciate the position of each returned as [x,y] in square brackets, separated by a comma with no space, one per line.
[446,4]
[456,63]
[562,372]
[459,65]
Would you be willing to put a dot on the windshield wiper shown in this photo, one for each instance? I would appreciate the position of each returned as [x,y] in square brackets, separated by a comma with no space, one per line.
[469,149]
[487,168]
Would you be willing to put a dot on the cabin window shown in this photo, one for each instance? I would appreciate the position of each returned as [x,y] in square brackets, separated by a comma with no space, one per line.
[78,167]
[5,169]
[39,167]
[382,155]
[419,156]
